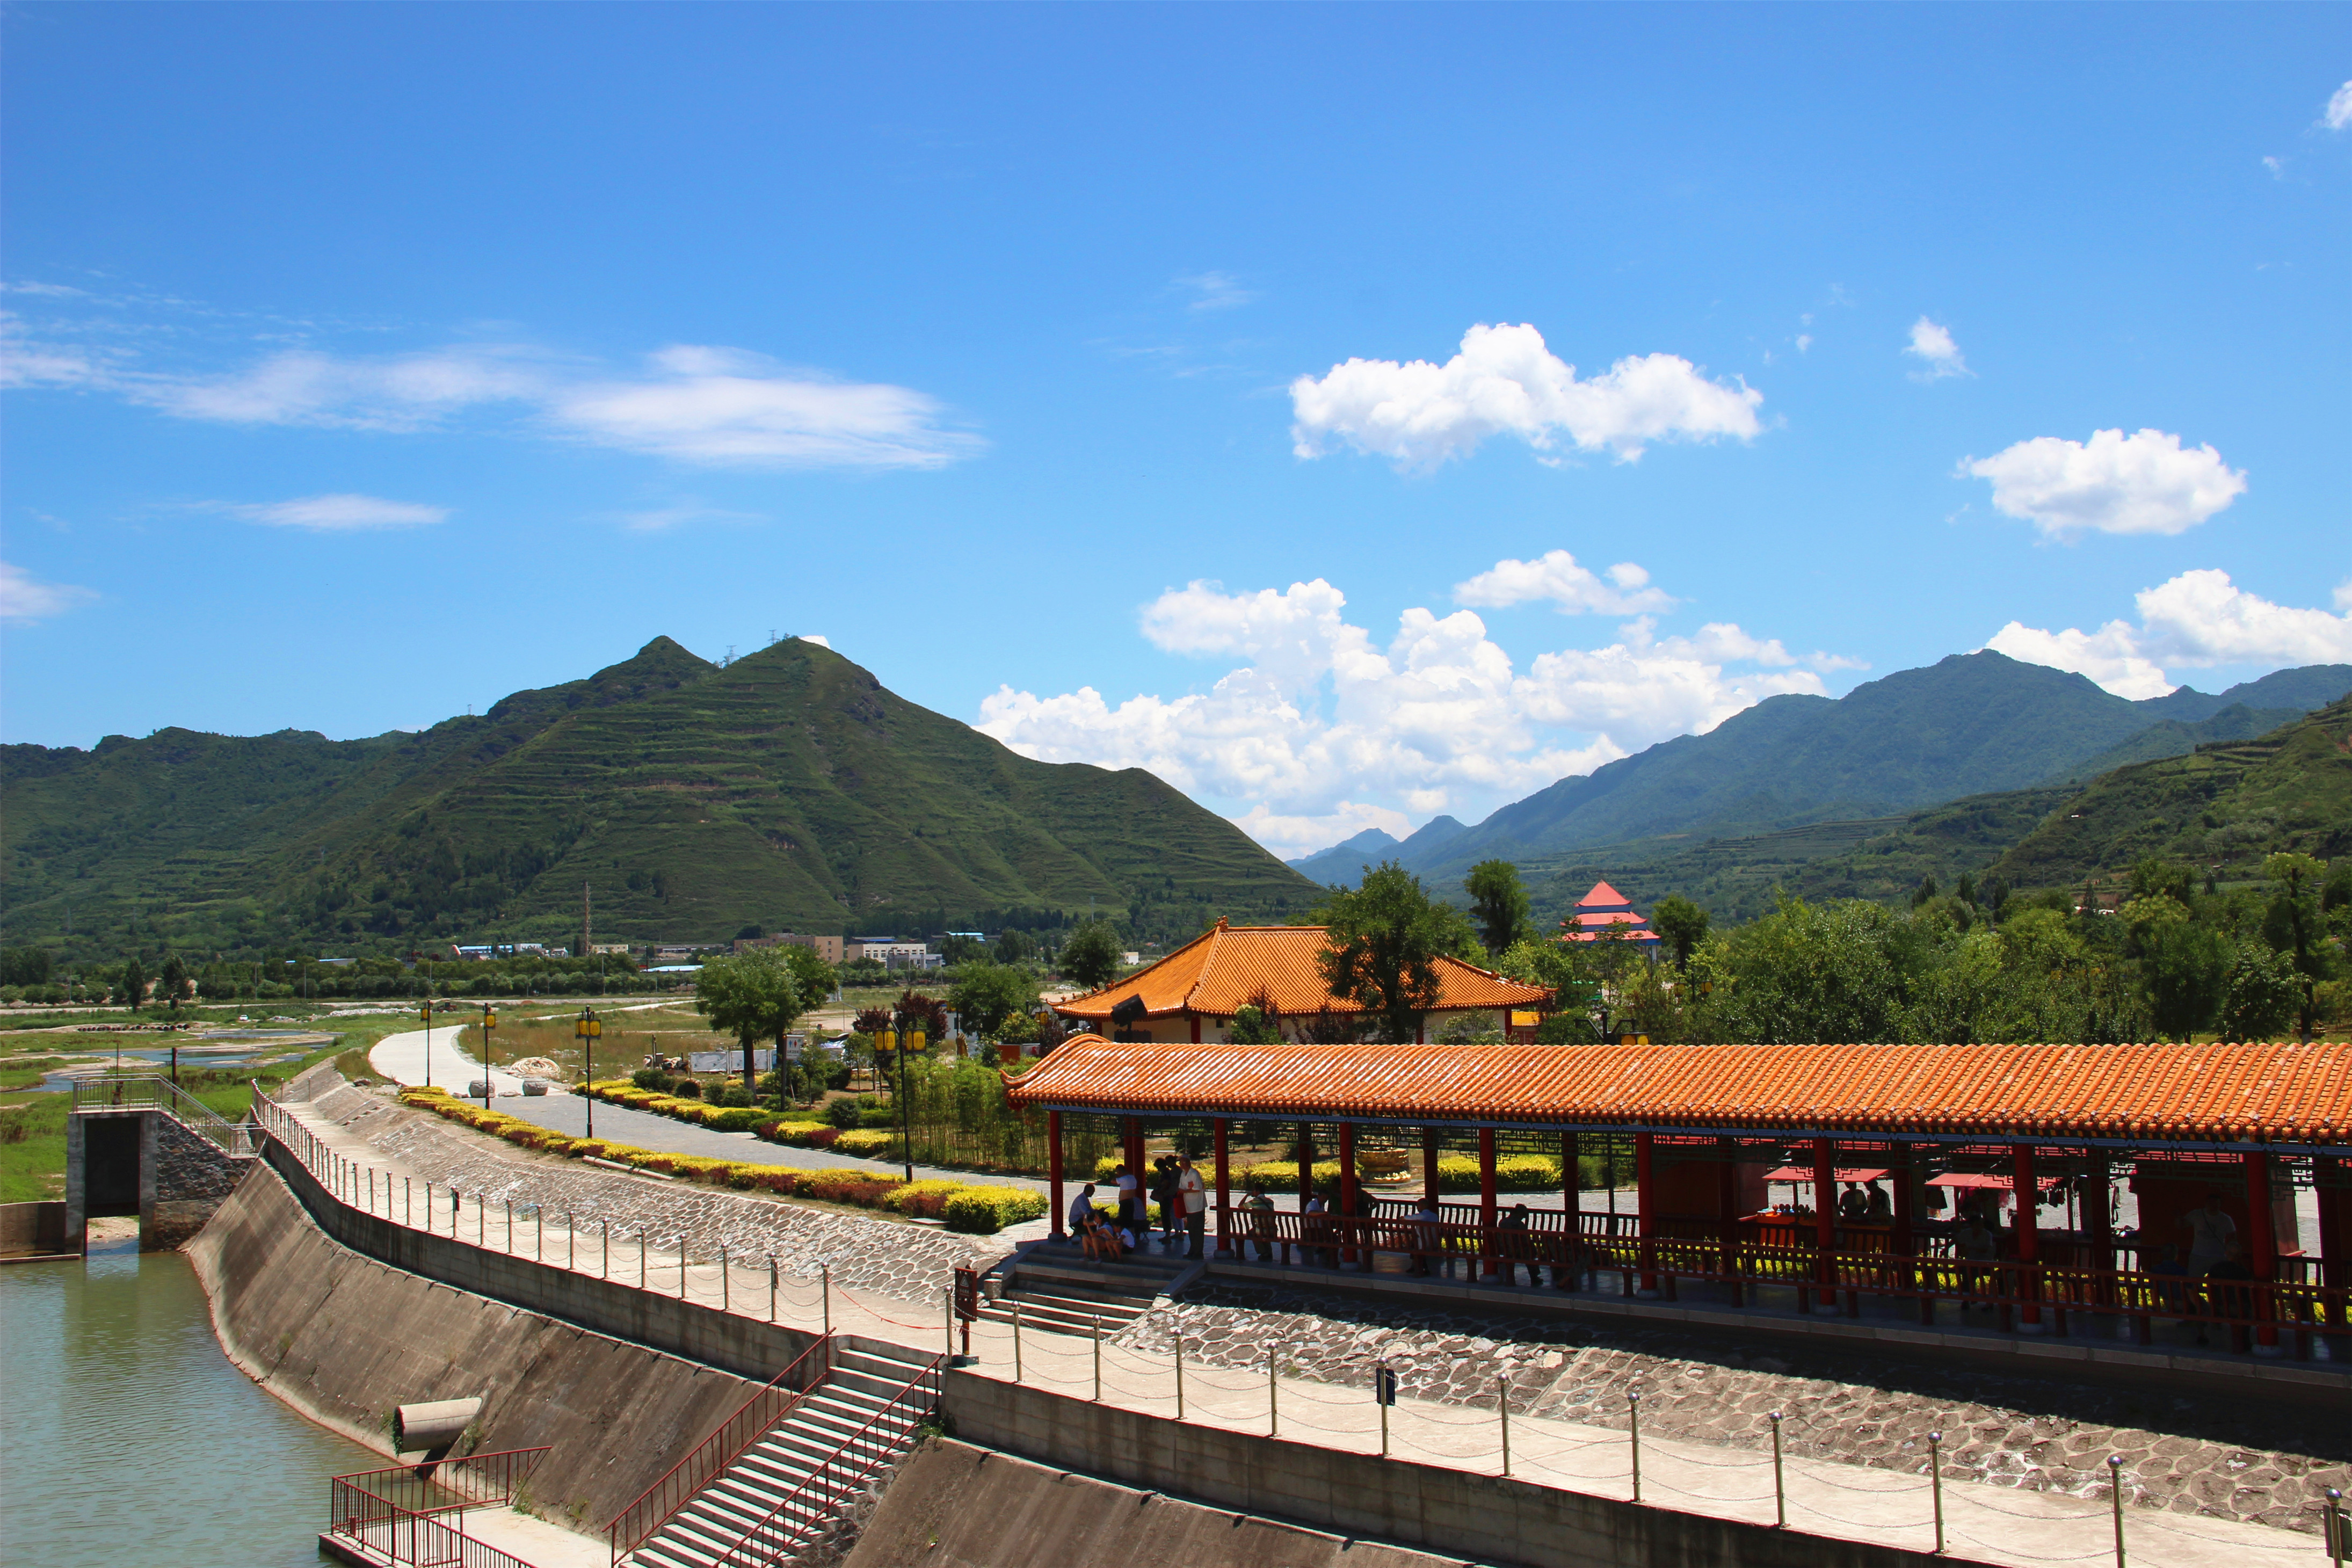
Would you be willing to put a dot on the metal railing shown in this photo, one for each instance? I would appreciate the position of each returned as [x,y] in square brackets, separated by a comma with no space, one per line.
[709,1458]
[837,1478]
[398,1513]
[112,1093]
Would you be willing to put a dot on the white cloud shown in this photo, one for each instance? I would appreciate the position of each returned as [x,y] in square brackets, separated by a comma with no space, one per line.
[1934,347]
[1573,589]
[815,637]
[1215,290]
[2194,620]
[2143,483]
[2338,113]
[2277,167]
[1505,382]
[23,599]
[725,406]
[342,513]
[1319,726]
[714,406]
[661,519]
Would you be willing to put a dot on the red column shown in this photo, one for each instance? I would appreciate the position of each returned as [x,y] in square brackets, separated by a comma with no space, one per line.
[1196,1020]
[1905,1242]
[1646,1208]
[1133,1141]
[1224,1192]
[1571,1199]
[1486,1200]
[1348,1183]
[1825,1198]
[2335,1234]
[1726,1212]
[2261,1244]
[1429,1165]
[1306,1183]
[2025,1186]
[1053,1167]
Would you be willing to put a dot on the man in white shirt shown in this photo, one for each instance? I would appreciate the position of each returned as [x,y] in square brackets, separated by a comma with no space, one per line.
[1130,1189]
[1192,1195]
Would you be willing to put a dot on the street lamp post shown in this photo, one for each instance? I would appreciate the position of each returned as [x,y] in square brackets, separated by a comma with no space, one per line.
[489,1022]
[425,1014]
[586,1028]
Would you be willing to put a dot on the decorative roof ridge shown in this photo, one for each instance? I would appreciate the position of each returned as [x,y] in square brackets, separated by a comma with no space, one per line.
[1213,936]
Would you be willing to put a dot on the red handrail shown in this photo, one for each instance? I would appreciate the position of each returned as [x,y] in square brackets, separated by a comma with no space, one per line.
[822,1481]
[708,1459]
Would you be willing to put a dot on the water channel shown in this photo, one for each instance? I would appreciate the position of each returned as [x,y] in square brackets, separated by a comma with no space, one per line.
[128,1440]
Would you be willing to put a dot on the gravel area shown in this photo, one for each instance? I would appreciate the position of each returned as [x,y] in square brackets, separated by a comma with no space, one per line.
[909,1262]
[2185,1453]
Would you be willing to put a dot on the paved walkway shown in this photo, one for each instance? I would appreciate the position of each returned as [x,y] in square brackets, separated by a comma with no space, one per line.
[405,1058]
[1992,1523]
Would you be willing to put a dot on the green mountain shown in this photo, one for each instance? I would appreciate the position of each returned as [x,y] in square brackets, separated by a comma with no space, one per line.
[1971,724]
[2177,738]
[2223,807]
[788,789]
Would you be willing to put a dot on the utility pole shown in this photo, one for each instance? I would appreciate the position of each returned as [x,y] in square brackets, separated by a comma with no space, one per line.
[587,936]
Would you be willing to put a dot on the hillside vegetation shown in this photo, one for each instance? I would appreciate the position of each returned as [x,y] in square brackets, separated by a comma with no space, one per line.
[788,789]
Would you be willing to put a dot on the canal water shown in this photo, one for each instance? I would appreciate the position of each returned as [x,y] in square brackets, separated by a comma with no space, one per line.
[128,1440]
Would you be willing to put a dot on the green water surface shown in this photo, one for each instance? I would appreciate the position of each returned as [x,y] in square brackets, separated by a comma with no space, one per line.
[128,1440]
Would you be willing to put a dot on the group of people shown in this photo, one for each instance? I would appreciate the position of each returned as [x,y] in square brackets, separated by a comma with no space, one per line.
[1175,1186]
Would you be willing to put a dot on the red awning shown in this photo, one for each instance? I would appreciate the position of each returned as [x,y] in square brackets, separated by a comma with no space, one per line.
[1971,1179]
[1803,1175]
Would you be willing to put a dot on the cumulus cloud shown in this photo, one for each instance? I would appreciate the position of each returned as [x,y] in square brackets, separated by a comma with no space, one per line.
[25,598]
[2338,113]
[342,513]
[2195,620]
[2143,483]
[1571,588]
[815,637]
[1932,346]
[1319,729]
[1505,382]
[704,406]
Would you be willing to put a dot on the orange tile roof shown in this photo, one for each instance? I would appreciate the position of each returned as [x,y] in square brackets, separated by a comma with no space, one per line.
[1219,972]
[2253,1093]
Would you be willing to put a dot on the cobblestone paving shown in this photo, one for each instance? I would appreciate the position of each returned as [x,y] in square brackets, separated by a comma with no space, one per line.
[2187,1452]
[908,1262]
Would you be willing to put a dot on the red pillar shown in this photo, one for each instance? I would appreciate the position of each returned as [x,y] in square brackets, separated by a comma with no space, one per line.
[2262,1245]
[1905,1241]
[1486,1201]
[1195,1020]
[2330,1178]
[1429,1167]
[1053,1168]
[1571,1199]
[2025,1186]
[1133,1142]
[1224,1192]
[1306,1183]
[1825,1198]
[1726,1212]
[1348,1185]
[1645,1207]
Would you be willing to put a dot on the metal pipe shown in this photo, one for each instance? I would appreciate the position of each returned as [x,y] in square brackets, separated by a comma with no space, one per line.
[1780,1486]
[681,1267]
[1179,1373]
[1097,1337]
[1503,1410]
[1273,1398]
[1380,1398]
[771,1287]
[723,1284]
[2335,1523]
[825,1271]
[1935,1484]
[2115,1494]
[510,1227]
[1633,1431]
[950,1325]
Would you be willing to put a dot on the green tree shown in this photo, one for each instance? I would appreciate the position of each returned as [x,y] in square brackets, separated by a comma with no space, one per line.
[1925,892]
[2185,967]
[2296,925]
[1498,902]
[1014,945]
[1091,956]
[988,993]
[132,988]
[1681,924]
[2262,994]
[812,977]
[753,996]
[1384,939]
[176,984]
[1255,1026]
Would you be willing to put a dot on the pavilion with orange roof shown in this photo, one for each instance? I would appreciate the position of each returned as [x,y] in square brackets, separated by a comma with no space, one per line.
[1190,996]
[1604,913]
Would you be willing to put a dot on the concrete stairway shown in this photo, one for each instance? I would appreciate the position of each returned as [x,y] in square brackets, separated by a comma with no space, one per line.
[1059,1291]
[860,1386]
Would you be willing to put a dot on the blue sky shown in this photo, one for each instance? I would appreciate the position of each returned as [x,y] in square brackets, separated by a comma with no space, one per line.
[367,364]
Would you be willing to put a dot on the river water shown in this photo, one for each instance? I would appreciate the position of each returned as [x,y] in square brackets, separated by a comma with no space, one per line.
[128,1440]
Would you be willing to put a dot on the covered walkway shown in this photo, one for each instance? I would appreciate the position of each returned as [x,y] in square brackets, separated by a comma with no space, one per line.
[1849,1180]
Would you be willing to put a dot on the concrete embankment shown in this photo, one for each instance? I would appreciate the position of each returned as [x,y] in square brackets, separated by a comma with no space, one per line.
[344,1339]
[955,1506]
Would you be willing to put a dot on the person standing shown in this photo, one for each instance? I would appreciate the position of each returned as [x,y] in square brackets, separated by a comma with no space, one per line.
[1130,1199]
[2211,1232]
[1194,1196]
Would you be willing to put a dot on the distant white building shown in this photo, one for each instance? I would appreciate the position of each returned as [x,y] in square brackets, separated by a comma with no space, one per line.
[890,953]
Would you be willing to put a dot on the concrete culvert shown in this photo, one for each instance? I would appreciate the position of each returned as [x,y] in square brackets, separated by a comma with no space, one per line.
[437,1424]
